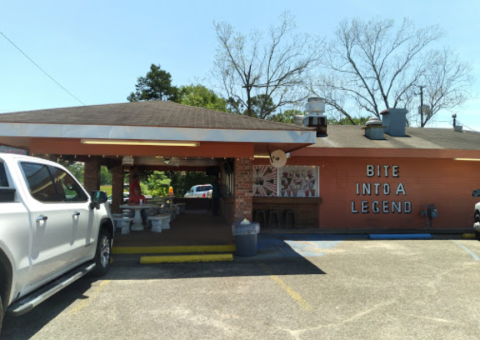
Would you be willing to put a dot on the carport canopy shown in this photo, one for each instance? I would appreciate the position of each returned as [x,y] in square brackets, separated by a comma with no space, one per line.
[148,129]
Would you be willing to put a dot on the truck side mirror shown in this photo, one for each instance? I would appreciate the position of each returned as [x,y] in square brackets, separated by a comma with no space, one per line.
[476,193]
[98,197]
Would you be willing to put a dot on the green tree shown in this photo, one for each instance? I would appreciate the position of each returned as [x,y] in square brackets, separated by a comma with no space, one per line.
[182,183]
[200,96]
[288,116]
[348,121]
[77,169]
[105,176]
[156,85]
[156,184]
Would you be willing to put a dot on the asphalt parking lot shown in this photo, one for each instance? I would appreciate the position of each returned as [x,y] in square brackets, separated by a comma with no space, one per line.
[325,289]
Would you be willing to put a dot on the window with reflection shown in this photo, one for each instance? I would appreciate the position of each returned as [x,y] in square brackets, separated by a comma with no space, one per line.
[40,182]
[67,188]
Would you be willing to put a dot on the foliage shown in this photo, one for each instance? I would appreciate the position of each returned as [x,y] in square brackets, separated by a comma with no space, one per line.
[288,116]
[346,121]
[105,176]
[182,183]
[377,65]
[156,184]
[261,74]
[156,85]
[77,169]
[200,96]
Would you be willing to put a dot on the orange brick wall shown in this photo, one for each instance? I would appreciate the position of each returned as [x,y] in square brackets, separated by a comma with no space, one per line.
[444,182]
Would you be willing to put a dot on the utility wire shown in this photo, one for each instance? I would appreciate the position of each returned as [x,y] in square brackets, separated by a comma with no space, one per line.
[41,69]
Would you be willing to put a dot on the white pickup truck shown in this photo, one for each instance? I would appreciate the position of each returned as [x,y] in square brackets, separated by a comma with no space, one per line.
[476,215]
[51,232]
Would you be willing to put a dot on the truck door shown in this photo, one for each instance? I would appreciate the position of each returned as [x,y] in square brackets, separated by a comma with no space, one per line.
[59,219]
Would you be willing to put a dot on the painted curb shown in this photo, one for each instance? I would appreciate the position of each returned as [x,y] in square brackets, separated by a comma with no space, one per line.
[186,258]
[468,236]
[173,249]
[400,236]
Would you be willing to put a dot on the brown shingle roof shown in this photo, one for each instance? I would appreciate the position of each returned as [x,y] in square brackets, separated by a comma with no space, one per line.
[348,136]
[149,113]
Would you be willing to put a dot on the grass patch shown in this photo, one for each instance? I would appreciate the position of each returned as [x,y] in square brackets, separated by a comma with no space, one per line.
[107,189]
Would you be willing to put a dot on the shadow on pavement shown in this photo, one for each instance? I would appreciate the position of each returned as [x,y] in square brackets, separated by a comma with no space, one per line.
[25,326]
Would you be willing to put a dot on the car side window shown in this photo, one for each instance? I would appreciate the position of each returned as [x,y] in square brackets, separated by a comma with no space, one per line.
[40,182]
[67,188]
[3,176]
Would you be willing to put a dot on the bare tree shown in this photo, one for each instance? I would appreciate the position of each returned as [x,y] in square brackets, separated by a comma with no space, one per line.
[377,65]
[447,84]
[260,73]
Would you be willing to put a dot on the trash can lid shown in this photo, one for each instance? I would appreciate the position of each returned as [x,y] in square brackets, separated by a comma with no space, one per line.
[245,229]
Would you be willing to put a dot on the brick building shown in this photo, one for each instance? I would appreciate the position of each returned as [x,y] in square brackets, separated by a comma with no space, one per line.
[343,178]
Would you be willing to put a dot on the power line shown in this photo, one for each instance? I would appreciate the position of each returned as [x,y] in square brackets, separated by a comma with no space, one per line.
[41,69]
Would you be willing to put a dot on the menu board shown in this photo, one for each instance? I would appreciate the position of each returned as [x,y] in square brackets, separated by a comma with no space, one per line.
[265,180]
[289,181]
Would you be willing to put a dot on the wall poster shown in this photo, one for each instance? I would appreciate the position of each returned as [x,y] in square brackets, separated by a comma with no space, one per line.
[289,181]
[265,180]
[298,181]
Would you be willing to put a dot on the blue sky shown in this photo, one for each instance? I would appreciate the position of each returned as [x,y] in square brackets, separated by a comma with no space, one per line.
[97,49]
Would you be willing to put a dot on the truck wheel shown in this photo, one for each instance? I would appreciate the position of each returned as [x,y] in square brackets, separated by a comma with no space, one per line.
[103,253]
[477,233]
[1,313]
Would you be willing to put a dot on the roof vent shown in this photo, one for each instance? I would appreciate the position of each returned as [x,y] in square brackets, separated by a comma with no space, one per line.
[315,109]
[374,129]
[394,121]
[299,119]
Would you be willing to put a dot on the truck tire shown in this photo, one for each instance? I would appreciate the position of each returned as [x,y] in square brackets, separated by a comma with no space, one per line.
[477,219]
[103,253]
[1,314]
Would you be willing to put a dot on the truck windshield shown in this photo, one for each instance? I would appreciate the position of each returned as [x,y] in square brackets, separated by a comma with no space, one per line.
[3,176]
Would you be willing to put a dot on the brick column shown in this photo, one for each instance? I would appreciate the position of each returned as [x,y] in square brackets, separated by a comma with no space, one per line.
[117,188]
[91,179]
[243,190]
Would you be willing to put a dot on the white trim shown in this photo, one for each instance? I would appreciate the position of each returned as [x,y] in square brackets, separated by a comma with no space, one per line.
[154,133]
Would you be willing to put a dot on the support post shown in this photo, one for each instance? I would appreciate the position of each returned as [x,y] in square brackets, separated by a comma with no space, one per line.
[117,188]
[91,179]
[243,190]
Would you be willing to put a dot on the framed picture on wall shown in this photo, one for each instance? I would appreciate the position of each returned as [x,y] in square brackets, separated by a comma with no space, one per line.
[298,181]
[265,180]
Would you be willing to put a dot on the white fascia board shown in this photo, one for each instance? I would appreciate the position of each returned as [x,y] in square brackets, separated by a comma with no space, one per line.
[155,133]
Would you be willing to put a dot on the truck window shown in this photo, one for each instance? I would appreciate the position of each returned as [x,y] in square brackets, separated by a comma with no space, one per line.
[3,176]
[39,182]
[67,188]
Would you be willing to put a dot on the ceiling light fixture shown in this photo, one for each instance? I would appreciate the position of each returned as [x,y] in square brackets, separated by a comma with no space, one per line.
[267,156]
[467,159]
[134,142]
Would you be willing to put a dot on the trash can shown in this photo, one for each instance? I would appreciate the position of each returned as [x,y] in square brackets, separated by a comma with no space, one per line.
[246,236]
